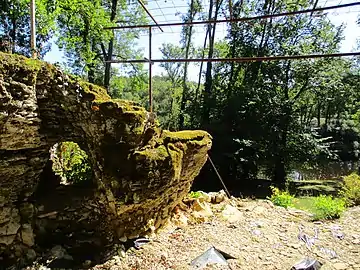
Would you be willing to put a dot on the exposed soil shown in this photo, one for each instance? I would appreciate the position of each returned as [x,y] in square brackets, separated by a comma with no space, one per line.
[263,237]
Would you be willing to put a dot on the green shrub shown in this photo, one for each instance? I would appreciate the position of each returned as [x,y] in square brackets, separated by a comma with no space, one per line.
[71,163]
[351,189]
[327,207]
[281,198]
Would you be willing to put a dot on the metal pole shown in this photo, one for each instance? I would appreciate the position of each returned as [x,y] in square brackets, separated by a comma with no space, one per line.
[150,71]
[218,175]
[241,59]
[33,29]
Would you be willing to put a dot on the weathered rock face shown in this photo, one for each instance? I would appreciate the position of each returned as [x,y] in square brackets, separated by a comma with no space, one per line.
[140,172]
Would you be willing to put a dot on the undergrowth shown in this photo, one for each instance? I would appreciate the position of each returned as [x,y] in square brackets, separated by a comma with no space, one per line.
[327,207]
[322,207]
[281,198]
[351,189]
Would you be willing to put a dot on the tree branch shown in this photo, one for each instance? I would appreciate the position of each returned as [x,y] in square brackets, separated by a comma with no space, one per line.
[303,88]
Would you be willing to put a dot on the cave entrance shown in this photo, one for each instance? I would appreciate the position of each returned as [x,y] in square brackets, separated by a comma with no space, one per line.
[68,167]
[65,185]
[71,164]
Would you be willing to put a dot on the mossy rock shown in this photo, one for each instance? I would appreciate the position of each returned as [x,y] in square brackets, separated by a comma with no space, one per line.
[184,136]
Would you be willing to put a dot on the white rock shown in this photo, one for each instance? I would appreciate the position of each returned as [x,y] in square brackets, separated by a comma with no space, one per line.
[218,197]
[202,207]
[181,220]
[231,214]
[204,197]
[201,211]
[340,266]
[260,210]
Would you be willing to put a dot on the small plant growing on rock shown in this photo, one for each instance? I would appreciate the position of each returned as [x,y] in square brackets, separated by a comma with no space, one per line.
[281,198]
[351,189]
[195,194]
[327,207]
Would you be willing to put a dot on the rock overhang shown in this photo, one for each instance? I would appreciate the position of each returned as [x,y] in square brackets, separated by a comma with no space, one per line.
[140,171]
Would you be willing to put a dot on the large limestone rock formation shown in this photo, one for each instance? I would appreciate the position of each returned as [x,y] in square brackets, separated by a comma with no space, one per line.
[140,172]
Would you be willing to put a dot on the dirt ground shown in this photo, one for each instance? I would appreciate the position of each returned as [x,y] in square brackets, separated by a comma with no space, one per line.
[258,234]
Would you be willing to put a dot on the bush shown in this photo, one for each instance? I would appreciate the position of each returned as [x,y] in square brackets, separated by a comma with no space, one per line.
[327,207]
[351,189]
[71,163]
[281,198]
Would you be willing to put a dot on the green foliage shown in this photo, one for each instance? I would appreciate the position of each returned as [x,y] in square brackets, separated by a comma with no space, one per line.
[71,163]
[275,116]
[87,45]
[130,87]
[15,26]
[322,207]
[305,203]
[195,194]
[327,207]
[351,189]
[281,198]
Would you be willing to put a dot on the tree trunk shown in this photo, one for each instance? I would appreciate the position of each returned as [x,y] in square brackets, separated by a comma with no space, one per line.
[279,175]
[327,115]
[13,36]
[208,75]
[196,101]
[91,66]
[318,114]
[187,50]
[109,54]
[91,73]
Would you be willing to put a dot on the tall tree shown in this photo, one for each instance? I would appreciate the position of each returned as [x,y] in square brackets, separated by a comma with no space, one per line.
[208,75]
[187,34]
[253,108]
[87,45]
[15,26]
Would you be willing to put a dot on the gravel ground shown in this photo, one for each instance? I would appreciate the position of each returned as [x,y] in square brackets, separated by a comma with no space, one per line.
[259,235]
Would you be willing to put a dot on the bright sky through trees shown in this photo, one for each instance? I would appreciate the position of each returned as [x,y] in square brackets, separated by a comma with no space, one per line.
[164,11]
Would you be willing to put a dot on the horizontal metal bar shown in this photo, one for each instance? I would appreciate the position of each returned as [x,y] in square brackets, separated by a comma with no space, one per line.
[263,17]
[241,59]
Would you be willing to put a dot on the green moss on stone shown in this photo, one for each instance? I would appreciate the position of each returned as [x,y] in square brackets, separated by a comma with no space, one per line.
[176,157]
[25,68]
[99,92]
[138,130]
[159,153]
[185,136]
[20,61]
[123,110]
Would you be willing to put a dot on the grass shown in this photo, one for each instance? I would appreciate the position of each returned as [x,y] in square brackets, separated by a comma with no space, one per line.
[314,187]
[305,203]
[316,182]
[322,207]
[320,188]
